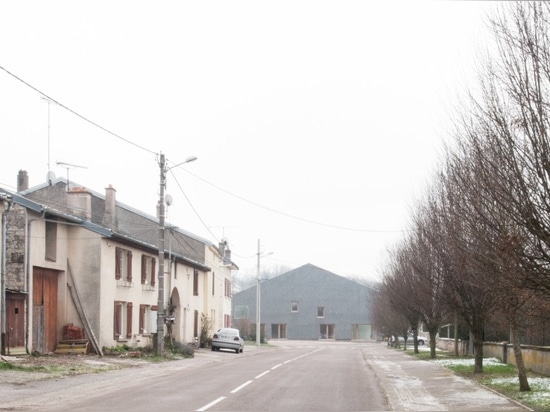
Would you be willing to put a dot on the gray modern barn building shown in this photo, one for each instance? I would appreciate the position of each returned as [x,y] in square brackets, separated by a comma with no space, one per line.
[307,303]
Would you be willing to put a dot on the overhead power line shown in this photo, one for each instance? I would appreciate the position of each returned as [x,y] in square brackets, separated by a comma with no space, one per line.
[197,177]
[76,113]
[351,229]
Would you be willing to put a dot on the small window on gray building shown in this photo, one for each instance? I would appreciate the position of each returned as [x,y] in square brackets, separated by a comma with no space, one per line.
[294,306]
[320,311]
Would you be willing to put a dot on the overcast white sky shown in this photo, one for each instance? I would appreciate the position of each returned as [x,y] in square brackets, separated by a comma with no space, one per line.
[315,123]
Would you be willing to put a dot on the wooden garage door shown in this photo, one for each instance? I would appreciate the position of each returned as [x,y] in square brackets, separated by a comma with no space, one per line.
[44,320]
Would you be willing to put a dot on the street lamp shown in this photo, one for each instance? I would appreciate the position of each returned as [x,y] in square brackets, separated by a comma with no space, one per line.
[160,302]
[258,297]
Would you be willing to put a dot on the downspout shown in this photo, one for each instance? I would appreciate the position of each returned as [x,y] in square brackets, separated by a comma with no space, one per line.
[7,200]
[28,279]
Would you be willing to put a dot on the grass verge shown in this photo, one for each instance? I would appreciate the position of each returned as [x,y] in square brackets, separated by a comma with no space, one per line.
[500,377]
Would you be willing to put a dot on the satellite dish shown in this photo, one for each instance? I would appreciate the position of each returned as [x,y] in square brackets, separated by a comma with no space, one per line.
[50,176]
[168,200]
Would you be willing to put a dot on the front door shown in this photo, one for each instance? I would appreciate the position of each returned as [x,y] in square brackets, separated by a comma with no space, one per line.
[44,319]
[15,319]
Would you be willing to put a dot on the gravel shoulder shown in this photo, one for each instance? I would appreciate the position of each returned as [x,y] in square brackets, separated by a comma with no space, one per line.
[20,370]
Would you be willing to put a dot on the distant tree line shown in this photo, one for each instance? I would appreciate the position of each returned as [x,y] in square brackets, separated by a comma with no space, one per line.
[478,250]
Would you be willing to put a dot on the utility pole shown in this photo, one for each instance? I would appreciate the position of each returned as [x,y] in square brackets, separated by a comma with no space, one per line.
[161,316]
[258,297]
[160,302]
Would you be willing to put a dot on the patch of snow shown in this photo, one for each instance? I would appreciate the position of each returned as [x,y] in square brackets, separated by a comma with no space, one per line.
[468,362]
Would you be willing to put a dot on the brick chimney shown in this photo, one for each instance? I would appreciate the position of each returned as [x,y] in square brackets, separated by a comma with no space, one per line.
[79,202]
[22,181]
[109,218]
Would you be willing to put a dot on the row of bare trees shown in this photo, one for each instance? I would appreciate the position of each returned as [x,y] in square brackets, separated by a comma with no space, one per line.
[478,250]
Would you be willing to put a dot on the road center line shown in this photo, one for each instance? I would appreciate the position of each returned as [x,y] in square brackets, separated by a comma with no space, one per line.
[276,366]
[262,374]
[206,407]
[240,387]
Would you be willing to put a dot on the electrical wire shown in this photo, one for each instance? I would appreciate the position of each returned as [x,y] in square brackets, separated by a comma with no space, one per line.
[194,175]
[192,207]
[288,214]
[77,114]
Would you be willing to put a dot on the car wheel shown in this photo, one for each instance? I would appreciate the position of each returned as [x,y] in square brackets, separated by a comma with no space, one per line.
[237,351]
[213,348]
[421,342]
[242,350]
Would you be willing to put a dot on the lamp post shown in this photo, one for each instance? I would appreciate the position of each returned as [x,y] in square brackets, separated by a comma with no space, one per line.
[160,301]
[258,297]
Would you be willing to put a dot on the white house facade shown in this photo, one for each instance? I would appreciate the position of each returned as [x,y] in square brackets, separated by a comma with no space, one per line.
[76,260]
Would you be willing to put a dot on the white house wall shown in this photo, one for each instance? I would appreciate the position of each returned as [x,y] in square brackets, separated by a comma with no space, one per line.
[90,250]
[219,305]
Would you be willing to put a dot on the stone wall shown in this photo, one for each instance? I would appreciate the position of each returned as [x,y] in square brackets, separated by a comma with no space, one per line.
[448,345]
[535,358]
[15,248]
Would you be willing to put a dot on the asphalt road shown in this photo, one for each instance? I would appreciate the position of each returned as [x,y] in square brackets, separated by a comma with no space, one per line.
[304,377]
[294,376]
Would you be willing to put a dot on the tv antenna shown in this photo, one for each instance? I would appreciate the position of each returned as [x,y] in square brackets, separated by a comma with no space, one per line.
[50,176]
[70,166]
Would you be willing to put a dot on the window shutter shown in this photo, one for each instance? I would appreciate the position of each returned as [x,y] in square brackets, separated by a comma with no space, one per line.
[143,269]
[141,319]
[118,255]
[129,266]
[129,308]
[153,271]
[195,282]
[116,326]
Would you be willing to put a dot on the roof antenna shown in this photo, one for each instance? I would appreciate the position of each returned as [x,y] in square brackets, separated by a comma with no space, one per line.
[50,176]
[70,166]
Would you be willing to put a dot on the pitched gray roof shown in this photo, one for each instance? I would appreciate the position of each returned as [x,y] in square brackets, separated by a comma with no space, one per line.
[133,226]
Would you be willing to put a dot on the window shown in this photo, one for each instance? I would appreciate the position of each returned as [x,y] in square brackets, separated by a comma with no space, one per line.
[148,265]
[147,320]
[213,283]
[227,321]
[122,320]
[51,241]
[320,311]
[195,282]
[123,266]
[294,306]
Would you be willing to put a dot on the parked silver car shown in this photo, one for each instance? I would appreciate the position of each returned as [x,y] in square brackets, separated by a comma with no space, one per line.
[410,340]
[228,338]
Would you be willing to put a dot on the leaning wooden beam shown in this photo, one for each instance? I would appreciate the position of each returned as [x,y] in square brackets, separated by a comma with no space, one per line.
[81,312]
